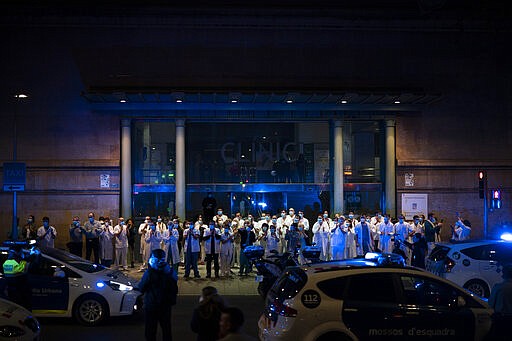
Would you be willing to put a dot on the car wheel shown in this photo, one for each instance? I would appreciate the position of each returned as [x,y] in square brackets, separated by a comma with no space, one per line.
[478,288]
[338,336]
[90,310]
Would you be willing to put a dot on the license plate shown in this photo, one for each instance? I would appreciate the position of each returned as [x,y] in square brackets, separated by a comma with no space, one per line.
[259,278]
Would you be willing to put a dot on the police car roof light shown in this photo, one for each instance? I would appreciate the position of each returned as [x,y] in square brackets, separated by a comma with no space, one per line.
[507,236]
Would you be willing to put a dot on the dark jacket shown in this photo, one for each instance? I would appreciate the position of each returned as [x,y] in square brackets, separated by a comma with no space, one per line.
[246,238]
[159,287]
[205,320]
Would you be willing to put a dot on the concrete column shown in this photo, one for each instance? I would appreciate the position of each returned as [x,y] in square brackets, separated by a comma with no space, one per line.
[390,170]
[338,206]
[126,168]
[180,169]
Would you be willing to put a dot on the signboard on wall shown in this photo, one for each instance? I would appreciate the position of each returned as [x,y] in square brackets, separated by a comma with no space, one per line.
[414,204]
[105,181]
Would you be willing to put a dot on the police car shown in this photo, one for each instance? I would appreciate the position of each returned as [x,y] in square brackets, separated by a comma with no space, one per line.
[472,264]
[362,299]
[17,323]
[64,285]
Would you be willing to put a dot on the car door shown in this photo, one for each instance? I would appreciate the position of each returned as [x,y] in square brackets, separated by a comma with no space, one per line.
[432,309]
[50,288]
[499,254]
[370,306]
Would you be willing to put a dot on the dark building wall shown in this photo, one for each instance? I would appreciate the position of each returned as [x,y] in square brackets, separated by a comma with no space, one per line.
[66,145]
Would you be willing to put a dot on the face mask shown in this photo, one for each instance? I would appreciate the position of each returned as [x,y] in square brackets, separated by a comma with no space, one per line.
[267,218]
[363,220]
[249,218]
[283,214]
[351,216]
[248,228]
[386,220]
[325,215]
[91,220]
[401,221]
[272,231]
[320,220]
[433,219]
[212,227]
[301,215]
[46,224]
[274,221]
[29,221]
[191,226]
[295,220]
[219,212]
[121,223]
[265,229]
[146,221]
[159,220]
[347,224]
[291,213]
[421,219]
[76,223]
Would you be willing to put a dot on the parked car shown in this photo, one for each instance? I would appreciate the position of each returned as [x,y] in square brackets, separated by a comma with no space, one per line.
[363,299]
[474,264]
[65,285]
[17,323]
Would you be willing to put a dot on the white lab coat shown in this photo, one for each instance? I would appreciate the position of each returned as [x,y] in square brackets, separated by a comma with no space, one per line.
[338,237]
[350,243]
[386,232]
[321,238]
[359,232]
[208,240]
[106,247]
[170,239]
[194,246]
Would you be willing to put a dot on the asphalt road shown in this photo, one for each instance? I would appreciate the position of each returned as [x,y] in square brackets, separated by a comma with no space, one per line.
[132,328]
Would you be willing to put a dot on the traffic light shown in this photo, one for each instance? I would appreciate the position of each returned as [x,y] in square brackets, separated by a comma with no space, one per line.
[496,199]
[482,178]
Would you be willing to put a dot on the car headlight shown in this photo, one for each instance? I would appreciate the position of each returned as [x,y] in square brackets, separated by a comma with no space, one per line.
[119,286]
[11,331]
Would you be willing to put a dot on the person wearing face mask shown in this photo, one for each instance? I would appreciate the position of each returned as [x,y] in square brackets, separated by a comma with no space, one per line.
[191,237]
[235,260]
[338,235]
[350,240]
[30,228]
[282,229]
[417,225]
[121,244]
[403,233]
[92,229]
[247,237]
[211,238]
[201,225]
[160,224]
[153,238]
[46,234]
[143,229]
[321,231]
[106,247]
[220,218]
[304,221]
[262,233]
[272,240]
[159,284]
[76,236]
[387,230]
[170,238]
[352,218]
[364,241]
[289,219]
[226,250]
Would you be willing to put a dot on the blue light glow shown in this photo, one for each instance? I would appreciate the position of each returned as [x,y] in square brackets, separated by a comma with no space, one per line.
[507,236]
[100,284]
[262,204]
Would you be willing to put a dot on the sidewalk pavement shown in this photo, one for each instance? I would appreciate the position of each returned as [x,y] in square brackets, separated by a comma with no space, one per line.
[233,286]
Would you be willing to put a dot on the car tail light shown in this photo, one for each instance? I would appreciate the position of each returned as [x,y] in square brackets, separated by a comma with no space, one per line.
[283,310]
[449,264]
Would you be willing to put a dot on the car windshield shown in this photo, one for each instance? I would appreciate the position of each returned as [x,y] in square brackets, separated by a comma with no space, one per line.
[74,261]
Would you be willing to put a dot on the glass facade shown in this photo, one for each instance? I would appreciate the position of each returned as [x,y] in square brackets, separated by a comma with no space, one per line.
[256,166]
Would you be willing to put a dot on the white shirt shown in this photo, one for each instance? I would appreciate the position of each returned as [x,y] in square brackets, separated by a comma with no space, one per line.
[122,237]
